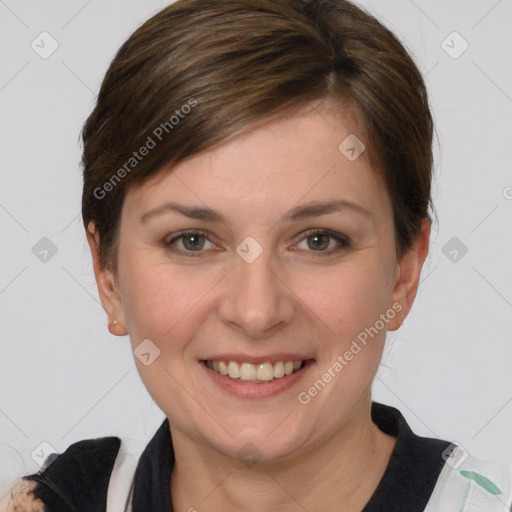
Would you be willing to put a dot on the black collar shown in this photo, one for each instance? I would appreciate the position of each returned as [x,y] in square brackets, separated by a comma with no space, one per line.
[407,483]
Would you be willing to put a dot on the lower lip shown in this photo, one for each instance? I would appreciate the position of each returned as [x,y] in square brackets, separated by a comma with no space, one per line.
[246,389]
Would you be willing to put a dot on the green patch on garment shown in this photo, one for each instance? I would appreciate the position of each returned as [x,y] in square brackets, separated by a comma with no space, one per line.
[483,482]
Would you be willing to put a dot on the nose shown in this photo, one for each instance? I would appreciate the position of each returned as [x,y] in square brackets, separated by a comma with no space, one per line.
[256,299]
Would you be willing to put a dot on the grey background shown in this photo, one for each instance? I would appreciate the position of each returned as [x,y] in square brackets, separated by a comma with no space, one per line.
[63,377]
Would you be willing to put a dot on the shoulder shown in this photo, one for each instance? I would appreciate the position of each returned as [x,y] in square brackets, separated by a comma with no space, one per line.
[23,499]
[68,480]
[471,484]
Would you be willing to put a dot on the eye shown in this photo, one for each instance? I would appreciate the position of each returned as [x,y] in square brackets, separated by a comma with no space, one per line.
[322,241]
[325,242]
[190,242]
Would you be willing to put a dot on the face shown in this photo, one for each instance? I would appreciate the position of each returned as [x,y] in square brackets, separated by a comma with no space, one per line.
[233,255]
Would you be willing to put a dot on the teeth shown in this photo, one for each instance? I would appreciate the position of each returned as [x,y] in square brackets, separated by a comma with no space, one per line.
[247,371]
[262,372]
[234,370]
[279,370]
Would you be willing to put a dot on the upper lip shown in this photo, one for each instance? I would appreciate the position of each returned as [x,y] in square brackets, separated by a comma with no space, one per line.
[246,358]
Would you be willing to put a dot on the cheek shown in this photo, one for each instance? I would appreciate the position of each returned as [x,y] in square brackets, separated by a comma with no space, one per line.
[155,301]
[346,298]
[346,304]
[166,305]
[165,302]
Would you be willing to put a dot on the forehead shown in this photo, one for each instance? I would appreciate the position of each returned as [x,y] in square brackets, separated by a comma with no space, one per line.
[298,158]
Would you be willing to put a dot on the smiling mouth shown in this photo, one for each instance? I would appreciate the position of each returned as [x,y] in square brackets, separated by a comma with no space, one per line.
[261,373]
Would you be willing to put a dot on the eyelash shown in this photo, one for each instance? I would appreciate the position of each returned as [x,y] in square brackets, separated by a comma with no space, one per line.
[343,241]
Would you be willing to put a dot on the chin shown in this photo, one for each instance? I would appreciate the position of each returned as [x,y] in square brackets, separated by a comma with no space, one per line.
[257,440]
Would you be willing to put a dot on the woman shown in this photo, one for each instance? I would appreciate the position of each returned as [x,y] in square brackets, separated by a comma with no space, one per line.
[256,198]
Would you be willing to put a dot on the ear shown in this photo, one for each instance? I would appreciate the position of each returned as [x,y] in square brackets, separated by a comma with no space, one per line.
[407,276]
[107,287]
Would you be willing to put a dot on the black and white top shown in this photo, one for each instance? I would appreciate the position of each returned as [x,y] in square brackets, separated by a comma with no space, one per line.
[423,474]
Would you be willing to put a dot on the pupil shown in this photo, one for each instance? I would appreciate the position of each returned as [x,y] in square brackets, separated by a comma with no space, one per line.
[318,238]
[195,241]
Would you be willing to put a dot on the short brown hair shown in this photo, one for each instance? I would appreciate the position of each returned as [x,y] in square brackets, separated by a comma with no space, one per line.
[202,71]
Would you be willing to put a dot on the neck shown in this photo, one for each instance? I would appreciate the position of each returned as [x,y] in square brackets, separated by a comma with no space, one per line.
[342,471]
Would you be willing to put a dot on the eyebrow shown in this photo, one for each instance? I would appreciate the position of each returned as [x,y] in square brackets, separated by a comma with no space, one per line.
[310,209]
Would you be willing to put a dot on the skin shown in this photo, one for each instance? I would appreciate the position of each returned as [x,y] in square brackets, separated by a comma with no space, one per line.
[292,298]
[22,499]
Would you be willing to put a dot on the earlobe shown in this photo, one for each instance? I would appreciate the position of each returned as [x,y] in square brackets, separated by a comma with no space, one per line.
[116,328]
[107,288]
[407,276]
